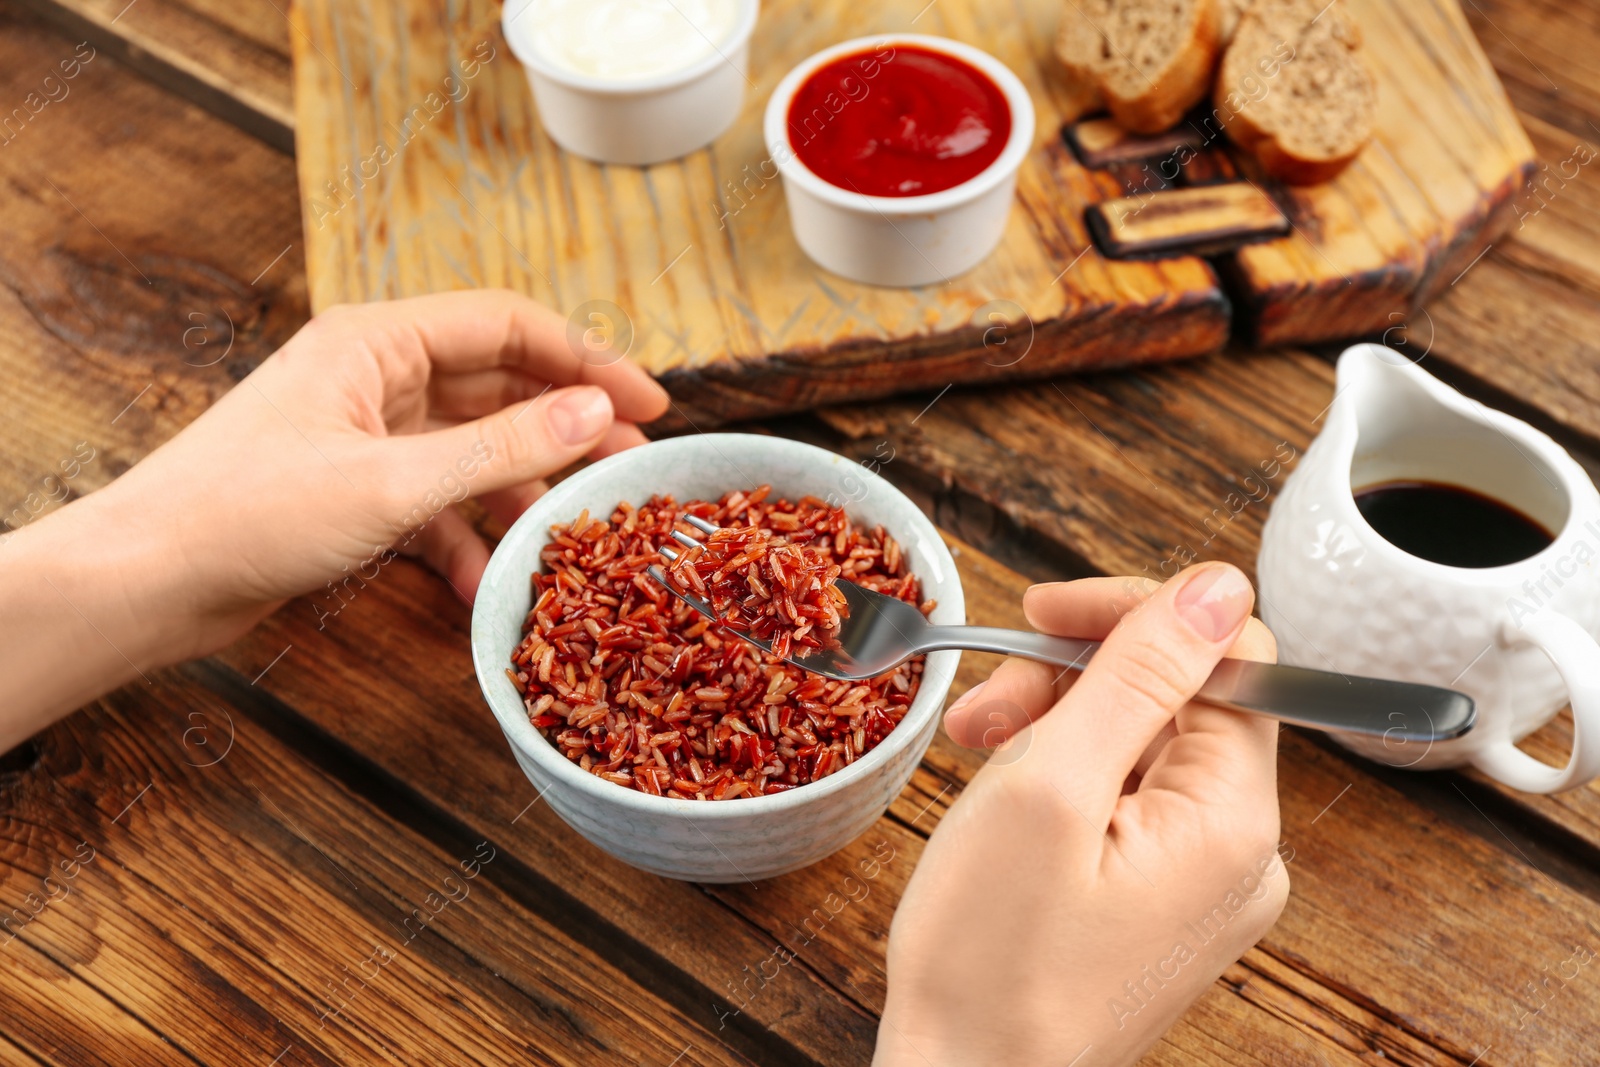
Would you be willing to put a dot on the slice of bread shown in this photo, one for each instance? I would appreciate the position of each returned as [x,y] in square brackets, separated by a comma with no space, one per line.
[1229,13]
[1078,96]
[1295,91]
[1152,60]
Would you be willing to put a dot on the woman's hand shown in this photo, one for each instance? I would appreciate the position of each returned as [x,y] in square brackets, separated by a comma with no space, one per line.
[351,442]
[1115,854]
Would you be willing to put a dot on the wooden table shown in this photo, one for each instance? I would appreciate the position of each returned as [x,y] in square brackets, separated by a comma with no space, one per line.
[246,833]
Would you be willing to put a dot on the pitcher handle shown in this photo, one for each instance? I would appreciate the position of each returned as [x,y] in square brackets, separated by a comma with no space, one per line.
[1576,656]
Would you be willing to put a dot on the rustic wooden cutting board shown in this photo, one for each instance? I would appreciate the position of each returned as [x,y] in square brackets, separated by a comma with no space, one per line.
[422,167]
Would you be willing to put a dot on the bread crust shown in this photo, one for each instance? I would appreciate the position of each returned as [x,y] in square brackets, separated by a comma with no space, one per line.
[1265,144]
[1081,80]
[1229,12]
[1178,86]
[1081,92]
[1278,162]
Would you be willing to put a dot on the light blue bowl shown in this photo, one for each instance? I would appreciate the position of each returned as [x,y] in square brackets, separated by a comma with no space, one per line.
[733,840]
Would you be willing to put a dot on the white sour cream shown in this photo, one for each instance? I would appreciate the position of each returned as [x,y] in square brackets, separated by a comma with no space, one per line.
[628,40]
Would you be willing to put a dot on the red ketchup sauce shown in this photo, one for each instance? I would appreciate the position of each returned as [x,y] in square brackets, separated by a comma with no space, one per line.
[901,121]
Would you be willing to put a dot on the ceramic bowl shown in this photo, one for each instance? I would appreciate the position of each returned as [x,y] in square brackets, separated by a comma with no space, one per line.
[717,841]
[900,240]
[635,122]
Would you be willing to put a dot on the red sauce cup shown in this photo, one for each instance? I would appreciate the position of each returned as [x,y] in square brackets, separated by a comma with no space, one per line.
[904,241]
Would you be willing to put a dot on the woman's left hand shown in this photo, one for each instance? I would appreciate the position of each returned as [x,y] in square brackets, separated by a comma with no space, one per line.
[348,444]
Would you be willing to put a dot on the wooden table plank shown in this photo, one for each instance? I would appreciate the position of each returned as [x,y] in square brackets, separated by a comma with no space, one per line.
[1350,964]
[1541,52]
[1544,53]
[230,58]
[1125,473]
[97,362]
[152,258]
[302,911]
[1482,326]
[426,690]
[846,953]
[54,1016]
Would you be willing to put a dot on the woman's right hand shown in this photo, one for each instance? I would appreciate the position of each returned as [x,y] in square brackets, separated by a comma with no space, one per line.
[1115,854]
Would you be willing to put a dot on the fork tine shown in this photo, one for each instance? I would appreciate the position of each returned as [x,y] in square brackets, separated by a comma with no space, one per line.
[684,539]
[700,524]
[660,577]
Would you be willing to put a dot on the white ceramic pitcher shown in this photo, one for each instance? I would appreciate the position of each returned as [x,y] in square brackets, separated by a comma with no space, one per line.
[1520,638]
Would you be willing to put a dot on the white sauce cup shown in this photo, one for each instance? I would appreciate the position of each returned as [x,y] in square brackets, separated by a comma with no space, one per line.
[635,122]
[900,240]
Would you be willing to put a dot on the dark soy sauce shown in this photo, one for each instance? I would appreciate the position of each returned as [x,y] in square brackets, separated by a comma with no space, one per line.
[1450,525]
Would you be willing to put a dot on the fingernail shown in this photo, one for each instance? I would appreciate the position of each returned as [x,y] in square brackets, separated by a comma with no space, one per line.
[966,698]
[1215,601]
[580,415]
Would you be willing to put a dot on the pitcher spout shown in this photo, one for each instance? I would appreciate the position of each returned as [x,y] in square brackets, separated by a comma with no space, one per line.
[1381,395]
[1407,425]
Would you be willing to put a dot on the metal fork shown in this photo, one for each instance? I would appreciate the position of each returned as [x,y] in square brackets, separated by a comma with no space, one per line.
[882,632]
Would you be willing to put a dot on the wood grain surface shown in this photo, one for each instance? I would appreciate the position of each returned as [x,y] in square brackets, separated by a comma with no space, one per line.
[409,188]
[696,256]
[1330,942]
[232,59]
[1423,905]
[1215,218]
[358,942]
[1433,189]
